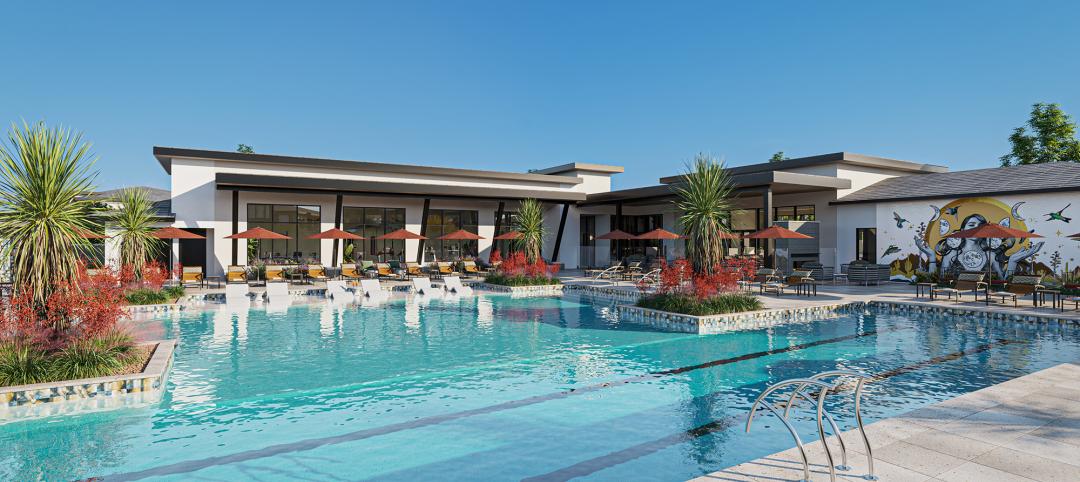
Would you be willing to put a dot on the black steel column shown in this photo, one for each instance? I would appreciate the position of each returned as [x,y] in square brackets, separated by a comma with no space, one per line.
[235,225]
[558,236]
[423,230]
[337,224]
[766,205]
[499,216]
[618,225]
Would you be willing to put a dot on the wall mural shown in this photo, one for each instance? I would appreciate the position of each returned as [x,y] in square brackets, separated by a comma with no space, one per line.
[913,237]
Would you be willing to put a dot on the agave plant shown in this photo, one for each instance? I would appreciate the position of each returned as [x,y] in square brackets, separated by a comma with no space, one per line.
[134,221]
[530,223]
[45,213]
[704,198]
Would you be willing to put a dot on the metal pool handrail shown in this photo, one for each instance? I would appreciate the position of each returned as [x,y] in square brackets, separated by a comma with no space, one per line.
[862,377]
[801,384]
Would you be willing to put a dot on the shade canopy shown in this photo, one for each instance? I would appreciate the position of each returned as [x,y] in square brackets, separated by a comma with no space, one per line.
[508,236]
[401,234]
[257,233]
[659,233]
[777,232]
[335,233]
[461,234]
[992,230]
[175,233]
[616,235]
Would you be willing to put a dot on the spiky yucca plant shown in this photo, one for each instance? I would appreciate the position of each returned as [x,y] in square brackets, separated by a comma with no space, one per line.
[704,198]
[134,221]
[530,223]
[45,178]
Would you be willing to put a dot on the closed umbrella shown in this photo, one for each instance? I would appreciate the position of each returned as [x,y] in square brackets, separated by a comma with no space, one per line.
[776,232]
[992,231]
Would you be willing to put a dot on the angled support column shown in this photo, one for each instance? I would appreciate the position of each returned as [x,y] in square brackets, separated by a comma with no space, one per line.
[337,224]
[423,230]
[235,226]
[558,236]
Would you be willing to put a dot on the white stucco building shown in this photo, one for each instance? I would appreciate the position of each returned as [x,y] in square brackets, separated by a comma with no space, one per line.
[845,201]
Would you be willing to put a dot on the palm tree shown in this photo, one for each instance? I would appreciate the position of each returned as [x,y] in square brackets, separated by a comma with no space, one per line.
[530,223]
[134,219]
[45,212]
[704,198]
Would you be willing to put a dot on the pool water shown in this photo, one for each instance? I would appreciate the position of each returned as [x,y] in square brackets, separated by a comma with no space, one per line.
[498,388]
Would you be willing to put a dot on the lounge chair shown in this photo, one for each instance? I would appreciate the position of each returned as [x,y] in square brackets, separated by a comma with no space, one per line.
[801,279]
[337,290]
[613,273]
[348,271]
[453,285]
[275,273]
[278,291]
[367,265]
[446,269]
[413,270]
[649,279]
[1019,285]
[422,286]
[236,274]
[237,292]
[965,283]
[471,269]
[316,272]
[383,270]
[371,289]
[192,275]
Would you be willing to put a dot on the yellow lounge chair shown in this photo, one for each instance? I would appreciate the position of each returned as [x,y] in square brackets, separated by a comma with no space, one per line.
[384,270]
[446,269]
[236,274]
[471,269]
[275,273]
[317,272]
[413,269]
[192,275]
[348,271]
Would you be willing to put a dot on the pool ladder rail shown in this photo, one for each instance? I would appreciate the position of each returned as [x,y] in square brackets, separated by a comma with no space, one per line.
[818,381]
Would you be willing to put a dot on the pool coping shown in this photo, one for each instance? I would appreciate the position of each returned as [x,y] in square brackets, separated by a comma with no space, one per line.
[1007,431]
[150,380]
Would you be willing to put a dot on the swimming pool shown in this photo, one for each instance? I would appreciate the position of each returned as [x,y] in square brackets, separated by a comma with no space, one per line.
[497,388]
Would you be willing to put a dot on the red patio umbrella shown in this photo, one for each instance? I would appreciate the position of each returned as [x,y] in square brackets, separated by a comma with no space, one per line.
[401,234]
[616,235]
[509,235]
[776,232]
[659,233]
[174,233]
[992,231]
[257,233]
[335,233]
[461,234]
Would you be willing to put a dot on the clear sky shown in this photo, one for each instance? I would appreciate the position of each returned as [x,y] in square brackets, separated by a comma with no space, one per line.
[513,85]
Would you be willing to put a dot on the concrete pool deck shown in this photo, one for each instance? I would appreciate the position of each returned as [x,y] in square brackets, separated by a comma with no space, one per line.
[1027,428]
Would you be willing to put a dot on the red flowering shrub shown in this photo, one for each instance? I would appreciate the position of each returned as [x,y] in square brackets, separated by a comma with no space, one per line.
[81,309]
[515,270]
[155,274]
[678,278]
[495,258]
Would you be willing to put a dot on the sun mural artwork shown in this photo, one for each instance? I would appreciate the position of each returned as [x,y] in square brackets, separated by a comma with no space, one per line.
[935,253]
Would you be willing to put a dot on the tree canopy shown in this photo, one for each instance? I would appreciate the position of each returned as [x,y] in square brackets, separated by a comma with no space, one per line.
[779,156]
[1052,138]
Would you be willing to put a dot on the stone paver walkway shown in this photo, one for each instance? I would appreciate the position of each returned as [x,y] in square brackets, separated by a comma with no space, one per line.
[1024,429]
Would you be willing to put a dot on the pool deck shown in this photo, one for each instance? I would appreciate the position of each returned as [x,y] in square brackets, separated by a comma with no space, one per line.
[1024,429]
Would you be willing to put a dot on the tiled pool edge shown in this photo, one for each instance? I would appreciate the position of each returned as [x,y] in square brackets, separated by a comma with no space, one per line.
[150,381]
[989,455]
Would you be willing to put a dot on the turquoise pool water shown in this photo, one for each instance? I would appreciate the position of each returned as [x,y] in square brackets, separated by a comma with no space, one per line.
[495,388]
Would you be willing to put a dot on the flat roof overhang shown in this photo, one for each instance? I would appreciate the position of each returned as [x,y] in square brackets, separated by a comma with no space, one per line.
[848,158]
[779,182]
[305,185]
[165,156]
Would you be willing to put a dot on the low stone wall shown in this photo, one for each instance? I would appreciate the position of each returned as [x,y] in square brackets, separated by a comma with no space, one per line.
[147,385]
[712,324]
[541,290]
[607,292]
[976,312]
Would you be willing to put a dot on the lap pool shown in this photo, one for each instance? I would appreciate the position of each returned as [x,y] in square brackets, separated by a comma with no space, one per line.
[497,388]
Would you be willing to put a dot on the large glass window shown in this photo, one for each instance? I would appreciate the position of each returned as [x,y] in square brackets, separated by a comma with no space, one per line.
[866,244]
[370,223]
[295,221]
[588,240]
[639,224]
[794,213]
[446,221]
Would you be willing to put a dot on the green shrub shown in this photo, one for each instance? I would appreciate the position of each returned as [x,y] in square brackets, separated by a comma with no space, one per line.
[519,280]
[147,296]
[691,305]
[88,359]
[22,364]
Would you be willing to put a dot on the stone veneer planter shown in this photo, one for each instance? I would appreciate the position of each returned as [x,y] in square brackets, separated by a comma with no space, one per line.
[707,325]
[605,292]
[975,312]
[539,290]
[146,386]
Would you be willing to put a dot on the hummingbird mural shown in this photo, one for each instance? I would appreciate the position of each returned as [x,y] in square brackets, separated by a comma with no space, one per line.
[892,249]
[899,220]
[1058,216]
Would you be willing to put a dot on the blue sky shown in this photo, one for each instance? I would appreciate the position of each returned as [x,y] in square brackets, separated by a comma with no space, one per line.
[513,85]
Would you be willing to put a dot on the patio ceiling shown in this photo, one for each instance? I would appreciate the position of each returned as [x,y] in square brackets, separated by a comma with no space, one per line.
[779,182]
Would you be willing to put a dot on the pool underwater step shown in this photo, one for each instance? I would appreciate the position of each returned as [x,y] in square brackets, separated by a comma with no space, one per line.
[273,450]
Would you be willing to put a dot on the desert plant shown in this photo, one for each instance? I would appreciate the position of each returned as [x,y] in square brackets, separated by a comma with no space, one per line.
[704,198]
[688,304]
[530,223]
[45,181]
[88,358]
[134,221]
[22,364]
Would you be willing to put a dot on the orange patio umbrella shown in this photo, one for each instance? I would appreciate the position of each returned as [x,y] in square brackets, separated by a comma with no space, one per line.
[659,233]
[335,233]
[776,232]
[509,235]
[616,235]
[257,233]
[174,233]
[401,234]
[461,234]
[992,231]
